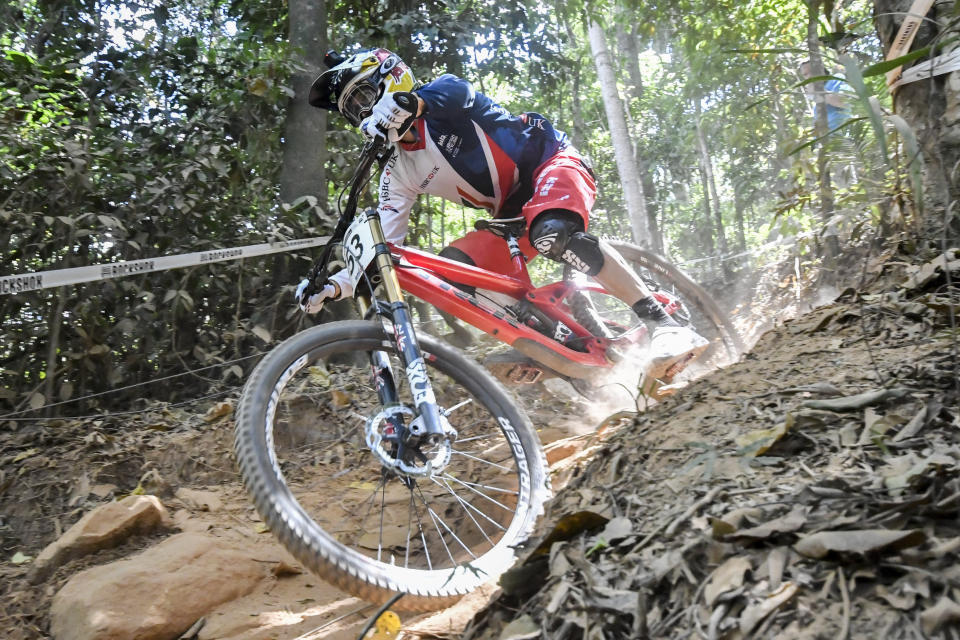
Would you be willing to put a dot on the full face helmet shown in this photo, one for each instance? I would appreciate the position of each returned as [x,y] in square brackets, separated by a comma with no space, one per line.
[353,85]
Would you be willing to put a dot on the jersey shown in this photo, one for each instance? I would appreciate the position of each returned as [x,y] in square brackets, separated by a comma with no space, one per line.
[467,149]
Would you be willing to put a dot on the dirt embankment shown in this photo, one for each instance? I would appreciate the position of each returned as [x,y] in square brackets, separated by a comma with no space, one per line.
[809,491]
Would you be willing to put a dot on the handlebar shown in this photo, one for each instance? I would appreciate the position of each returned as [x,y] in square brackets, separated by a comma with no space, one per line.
[368,155]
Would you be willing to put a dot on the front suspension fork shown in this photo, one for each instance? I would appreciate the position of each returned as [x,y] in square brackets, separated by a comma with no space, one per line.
[430,423]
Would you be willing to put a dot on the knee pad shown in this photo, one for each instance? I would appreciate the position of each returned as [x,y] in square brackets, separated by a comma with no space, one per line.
[559,235]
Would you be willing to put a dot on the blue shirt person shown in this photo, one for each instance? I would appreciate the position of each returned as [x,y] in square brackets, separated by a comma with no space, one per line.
[833,99]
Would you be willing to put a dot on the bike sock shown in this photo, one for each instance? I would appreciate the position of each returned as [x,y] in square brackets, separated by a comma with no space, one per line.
[649,309]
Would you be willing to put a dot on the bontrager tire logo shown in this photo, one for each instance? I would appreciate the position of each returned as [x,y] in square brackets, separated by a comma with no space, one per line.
[523,470]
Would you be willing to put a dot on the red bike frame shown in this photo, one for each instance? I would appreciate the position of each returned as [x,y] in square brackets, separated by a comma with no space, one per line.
[426,276]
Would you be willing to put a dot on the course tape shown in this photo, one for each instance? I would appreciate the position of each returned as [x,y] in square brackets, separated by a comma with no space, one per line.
[22,283]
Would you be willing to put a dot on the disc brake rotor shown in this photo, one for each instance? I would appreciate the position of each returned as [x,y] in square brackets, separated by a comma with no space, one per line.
[385,441]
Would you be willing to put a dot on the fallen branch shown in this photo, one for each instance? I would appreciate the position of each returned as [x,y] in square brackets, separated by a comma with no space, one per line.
[859,401]
[692,510]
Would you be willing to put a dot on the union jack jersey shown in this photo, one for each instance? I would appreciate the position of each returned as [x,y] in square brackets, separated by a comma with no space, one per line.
[468,150]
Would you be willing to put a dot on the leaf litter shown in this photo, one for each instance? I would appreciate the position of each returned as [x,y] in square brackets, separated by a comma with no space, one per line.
[809,491]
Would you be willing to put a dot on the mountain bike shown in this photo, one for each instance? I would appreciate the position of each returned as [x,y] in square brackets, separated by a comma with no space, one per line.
[388,462]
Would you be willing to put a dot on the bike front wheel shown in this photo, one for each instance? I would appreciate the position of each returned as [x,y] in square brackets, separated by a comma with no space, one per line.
[305,424]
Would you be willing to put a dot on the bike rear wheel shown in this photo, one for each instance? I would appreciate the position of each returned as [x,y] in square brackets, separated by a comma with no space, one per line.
[698,309]
[304,424]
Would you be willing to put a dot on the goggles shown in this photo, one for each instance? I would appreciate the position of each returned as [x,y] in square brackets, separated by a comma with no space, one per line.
[356,102]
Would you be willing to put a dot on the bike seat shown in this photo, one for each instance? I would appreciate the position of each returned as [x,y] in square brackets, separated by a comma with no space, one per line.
[503,226]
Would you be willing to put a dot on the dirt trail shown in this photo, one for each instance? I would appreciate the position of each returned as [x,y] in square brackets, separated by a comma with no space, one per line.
[677,468]
[58,471]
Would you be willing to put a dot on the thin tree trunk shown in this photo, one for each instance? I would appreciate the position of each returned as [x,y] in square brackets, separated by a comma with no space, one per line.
[831,247]
[710,185]
[703,162]
[627,43]
[304,138]
[53,347]
[620,138]
[707,230]
[741,223]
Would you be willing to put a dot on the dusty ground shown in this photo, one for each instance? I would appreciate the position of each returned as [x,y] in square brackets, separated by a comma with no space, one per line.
[809,491]
[712,500]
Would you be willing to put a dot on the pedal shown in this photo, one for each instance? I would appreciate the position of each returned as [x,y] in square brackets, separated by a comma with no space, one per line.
[516,373]
[516,368]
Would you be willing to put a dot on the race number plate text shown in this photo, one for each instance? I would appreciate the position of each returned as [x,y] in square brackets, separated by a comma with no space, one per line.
[358,248]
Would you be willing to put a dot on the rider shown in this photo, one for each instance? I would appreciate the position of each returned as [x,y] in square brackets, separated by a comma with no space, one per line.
[459,144]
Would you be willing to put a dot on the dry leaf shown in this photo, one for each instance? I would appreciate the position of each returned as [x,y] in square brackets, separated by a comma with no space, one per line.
[820,544]
[263,333]
[788,523]
[218,410]
[617,529]
[387,626]
[23,455]
[758,442]
[726,577]
[523,628]
[754,613]
[339,399]
[903,602]
[944,612]
[859,401]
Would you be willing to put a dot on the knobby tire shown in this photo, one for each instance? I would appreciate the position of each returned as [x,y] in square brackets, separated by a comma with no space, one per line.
[261,428]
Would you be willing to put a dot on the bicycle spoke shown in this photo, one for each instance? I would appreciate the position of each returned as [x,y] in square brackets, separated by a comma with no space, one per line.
[492,464]
[373,494]
[470,486]
[466,507]
[383,508]
[434,517]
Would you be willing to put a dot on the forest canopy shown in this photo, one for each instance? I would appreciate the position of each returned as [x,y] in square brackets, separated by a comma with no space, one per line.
[134,129]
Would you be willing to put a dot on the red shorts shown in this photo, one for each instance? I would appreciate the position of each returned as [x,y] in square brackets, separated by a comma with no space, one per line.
[562,182]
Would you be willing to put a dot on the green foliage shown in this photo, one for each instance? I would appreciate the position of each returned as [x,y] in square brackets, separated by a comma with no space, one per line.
[131,130]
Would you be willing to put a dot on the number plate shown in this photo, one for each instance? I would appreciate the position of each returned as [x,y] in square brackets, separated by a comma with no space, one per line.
[358,248]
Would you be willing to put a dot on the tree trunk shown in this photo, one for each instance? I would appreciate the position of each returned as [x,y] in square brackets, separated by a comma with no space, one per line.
[304,135]
[710,182]
[831,247]
[932,108]
[630,54]
[627,43]
[706,232]
[620,138]
[741,223]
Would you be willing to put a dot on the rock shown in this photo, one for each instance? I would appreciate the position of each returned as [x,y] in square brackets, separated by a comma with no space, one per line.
[197,499]
[557,451]
[106,526]
[155,595]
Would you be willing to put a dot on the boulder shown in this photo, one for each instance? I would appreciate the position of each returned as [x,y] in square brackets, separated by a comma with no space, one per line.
[106,526]
[156,595]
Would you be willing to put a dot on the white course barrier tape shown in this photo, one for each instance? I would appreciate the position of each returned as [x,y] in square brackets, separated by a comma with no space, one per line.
[756,251]
[60,277]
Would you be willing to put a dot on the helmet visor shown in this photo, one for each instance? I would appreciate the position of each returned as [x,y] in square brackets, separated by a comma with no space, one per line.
[357,102]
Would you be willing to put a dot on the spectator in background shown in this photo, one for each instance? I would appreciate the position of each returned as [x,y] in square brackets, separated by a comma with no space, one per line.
[836,104]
